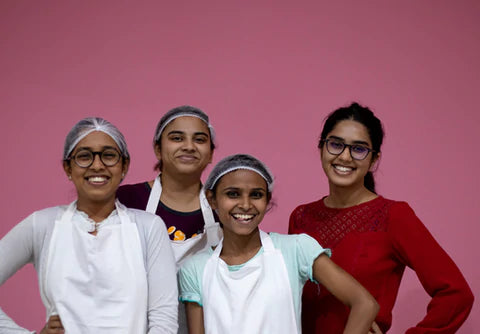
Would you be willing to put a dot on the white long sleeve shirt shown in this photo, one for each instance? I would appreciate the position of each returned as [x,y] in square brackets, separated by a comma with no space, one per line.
[29,242]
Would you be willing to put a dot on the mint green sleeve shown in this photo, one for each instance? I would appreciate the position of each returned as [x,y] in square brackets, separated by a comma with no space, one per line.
[190,277]
[308,249]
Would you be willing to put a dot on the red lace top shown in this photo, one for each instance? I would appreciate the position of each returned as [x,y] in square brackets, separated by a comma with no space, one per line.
[374,241]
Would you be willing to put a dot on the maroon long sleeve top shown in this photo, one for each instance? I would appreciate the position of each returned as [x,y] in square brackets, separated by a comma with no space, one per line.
[374,241]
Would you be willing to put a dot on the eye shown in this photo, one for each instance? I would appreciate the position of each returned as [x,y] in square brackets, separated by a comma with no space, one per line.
[337,145]
[359,149]
[83,156]
[175,138]
[257,194]
[110,154]
[200,140]
[232,194]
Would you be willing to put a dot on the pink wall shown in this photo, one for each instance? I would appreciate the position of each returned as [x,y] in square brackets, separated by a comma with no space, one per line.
[267,73]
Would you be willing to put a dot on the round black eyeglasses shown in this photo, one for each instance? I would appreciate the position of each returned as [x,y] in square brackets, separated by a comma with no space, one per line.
[357,152]
[84,158]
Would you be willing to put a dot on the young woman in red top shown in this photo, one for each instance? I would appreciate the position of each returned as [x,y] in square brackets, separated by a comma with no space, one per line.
[371,237]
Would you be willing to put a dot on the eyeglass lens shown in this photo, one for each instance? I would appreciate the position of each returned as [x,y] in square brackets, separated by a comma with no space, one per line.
[85,158]
[357,152]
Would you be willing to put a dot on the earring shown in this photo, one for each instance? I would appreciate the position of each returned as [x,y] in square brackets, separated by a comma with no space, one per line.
[69,177]
[123,174]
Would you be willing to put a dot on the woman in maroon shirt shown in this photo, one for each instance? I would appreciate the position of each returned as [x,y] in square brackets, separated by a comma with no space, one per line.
[371,237]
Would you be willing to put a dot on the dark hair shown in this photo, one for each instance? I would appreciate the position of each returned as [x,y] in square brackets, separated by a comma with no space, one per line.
[365,116]
[170,116]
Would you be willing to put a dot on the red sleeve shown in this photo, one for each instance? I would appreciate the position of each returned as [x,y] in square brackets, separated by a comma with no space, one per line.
[293,221]
[413,244]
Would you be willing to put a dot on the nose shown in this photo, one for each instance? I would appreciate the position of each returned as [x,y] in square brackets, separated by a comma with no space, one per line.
[345,155]
[245,202]
[188,144]
[97,162]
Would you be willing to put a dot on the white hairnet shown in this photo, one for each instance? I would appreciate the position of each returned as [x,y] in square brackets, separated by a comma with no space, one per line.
[235,162]
[86,126]
[180,112]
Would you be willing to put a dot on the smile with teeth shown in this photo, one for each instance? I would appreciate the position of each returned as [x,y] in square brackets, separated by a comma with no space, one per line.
[343,169]
[97,179]
[242,217]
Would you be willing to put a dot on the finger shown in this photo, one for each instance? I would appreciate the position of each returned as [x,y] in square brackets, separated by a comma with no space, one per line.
[376,329]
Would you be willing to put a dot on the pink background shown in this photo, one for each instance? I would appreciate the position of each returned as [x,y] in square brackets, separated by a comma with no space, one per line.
[267,73]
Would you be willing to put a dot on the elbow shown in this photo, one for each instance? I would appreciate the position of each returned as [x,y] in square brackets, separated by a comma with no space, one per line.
[373,306]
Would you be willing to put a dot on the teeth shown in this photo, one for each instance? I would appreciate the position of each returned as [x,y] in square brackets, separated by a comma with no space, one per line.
[343,168]
[242,217]
[97,179]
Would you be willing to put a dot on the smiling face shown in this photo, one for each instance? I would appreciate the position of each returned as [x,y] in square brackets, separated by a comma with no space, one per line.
[96,184]
[341,170]
[185,146]
[240,200]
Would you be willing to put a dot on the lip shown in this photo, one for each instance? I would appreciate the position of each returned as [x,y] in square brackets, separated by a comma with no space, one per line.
[243,218]
[187,158]
[343,170]
[97,180]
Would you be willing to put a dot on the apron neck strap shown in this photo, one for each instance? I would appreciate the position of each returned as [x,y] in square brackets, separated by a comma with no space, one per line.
[265,239]
[156,193]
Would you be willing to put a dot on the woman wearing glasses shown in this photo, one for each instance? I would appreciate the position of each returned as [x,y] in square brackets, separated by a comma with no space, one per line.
[371,237]
[102,268]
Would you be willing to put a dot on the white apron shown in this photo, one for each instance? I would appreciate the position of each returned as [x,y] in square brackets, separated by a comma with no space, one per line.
[97,284]
[183,249]
[255,299]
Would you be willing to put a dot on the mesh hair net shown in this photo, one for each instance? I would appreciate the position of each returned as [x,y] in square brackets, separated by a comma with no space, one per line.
[86,126]
[235,162]
[179,112]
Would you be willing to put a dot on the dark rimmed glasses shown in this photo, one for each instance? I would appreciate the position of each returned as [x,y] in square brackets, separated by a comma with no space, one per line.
[336,147]
[84,158]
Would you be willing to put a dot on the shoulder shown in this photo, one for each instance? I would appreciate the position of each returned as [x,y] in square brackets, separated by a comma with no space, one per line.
[398,210]
[297,243]
[142,218]
[309,206]
[46,217]
[195,264]
[131,189]
[305,210]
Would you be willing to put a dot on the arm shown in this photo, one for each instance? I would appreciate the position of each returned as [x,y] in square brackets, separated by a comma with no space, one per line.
[16,250]
[195,318]
[363,306]
[162,281]
[414,246]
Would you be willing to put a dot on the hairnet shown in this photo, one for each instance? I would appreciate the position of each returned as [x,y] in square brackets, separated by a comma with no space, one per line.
[235,162]
[86,126]
[179,112]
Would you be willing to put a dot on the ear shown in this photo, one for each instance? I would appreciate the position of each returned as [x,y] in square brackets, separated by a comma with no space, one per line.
[125,167]
[67,168]
[157,151]
[211,199]
[374,163]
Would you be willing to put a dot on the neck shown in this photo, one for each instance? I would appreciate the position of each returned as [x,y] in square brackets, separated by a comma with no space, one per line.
[180,193]
[238,249]
[97,211]
[340,197]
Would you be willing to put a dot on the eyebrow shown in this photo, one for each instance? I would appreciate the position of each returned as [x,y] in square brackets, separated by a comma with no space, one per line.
[177,132]
[91,149]
[357,142]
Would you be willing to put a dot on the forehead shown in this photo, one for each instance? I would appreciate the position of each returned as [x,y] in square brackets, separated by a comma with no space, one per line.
[96,140]
[187,124]
[350,131]
[242,178]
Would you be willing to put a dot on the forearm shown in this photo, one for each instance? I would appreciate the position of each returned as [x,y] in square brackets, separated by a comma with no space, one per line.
[361,317]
